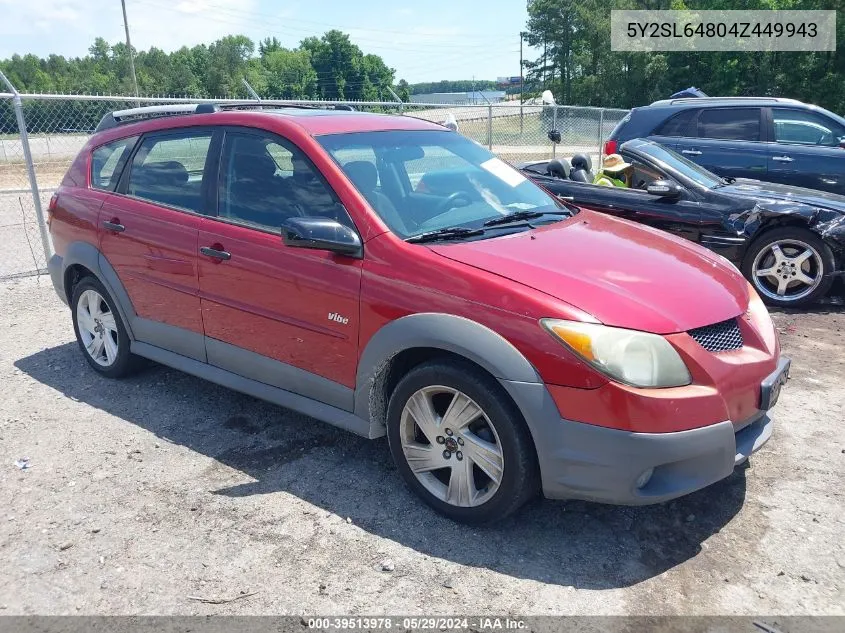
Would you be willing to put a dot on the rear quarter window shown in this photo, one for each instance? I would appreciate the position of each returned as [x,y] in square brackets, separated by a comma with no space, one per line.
[107,163]
[680,124]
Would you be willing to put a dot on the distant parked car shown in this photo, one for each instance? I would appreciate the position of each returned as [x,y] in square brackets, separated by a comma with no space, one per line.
[775,140]
[504,341]
[788,241]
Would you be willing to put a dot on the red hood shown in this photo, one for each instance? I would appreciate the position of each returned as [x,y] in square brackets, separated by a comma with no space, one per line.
[624,274]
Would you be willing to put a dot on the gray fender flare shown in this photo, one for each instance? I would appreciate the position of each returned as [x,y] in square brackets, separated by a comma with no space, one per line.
[87,255]
[461,336]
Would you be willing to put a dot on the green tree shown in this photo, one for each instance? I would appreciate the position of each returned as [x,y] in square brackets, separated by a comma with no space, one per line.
[578,65]
[290,74]
[403,90]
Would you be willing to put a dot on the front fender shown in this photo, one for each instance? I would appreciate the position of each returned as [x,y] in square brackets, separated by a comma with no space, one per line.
[459,335]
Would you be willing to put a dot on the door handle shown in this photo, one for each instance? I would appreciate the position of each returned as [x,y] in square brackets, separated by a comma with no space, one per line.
[216,254]
[783,159]
[115,227]
[691,152]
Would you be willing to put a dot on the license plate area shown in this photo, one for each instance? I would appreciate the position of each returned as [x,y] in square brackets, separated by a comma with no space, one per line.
[771,387]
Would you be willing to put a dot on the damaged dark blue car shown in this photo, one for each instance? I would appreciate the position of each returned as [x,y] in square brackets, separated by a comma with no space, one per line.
[788,241]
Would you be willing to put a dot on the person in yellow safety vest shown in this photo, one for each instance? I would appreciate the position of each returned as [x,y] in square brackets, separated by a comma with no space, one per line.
[615,172]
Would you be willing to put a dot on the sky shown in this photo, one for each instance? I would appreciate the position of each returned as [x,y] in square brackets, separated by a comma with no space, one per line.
[426,40]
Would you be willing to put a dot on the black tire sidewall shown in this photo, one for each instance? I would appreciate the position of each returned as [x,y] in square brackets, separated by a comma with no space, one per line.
[796,233]
[124,362]
[520,475]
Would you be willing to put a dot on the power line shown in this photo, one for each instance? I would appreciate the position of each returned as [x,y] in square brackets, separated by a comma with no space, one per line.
[371,43]
[480,36]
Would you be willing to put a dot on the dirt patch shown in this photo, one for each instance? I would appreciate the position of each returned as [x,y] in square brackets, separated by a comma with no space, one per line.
[140,493]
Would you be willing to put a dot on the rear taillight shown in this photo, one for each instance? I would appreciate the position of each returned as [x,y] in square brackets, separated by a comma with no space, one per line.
[51,208]
[610,147]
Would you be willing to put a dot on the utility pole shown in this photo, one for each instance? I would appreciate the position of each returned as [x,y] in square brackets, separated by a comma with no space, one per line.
[129,47]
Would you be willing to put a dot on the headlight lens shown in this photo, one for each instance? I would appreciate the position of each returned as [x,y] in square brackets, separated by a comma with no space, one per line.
[636,358]
[758,313]
[756,307]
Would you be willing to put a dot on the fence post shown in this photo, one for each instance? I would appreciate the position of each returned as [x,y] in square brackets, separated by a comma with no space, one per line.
[398,99]
[601,135]
[30,167]
[554,127]
[490,127]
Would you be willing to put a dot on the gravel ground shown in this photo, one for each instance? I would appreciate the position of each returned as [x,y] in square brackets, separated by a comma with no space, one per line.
[143,494]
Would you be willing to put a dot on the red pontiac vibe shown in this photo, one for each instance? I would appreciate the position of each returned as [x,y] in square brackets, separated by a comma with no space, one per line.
[503,341]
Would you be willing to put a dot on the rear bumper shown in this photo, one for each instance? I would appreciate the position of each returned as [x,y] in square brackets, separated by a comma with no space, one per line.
[56,269]
[601,464]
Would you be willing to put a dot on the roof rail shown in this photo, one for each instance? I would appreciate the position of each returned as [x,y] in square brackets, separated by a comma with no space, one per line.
[132,115]
[113,119]
[700,100]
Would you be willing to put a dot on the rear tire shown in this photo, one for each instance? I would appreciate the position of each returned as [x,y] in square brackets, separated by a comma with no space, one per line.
[100,332]
[460,443]
[789,267]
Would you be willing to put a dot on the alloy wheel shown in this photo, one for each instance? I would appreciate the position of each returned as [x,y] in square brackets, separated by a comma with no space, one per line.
[97,328]
[451,446]
[787,270]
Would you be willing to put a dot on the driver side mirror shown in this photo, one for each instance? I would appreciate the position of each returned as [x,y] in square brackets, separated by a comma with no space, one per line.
[664,189]
[324,234]
[842,143]
[554,136]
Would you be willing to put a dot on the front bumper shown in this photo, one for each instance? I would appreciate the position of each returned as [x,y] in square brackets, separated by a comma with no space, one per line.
[601,464]
[598,463]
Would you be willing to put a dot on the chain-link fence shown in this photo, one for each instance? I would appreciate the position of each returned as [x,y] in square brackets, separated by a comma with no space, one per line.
[56,127]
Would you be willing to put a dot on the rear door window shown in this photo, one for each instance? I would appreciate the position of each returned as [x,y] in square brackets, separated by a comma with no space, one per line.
[168,169]
[107,163]
[735,124]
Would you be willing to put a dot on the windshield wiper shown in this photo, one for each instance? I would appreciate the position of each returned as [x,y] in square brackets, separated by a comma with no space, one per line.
[522,215]
[449,233]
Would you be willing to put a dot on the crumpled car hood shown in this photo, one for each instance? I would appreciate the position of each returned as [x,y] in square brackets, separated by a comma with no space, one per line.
[823,211]
[764,191]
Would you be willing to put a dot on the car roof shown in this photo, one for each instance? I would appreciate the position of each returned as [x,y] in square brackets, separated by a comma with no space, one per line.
[313,121]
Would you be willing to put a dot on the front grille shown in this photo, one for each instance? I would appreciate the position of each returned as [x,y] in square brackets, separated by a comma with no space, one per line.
[719,337]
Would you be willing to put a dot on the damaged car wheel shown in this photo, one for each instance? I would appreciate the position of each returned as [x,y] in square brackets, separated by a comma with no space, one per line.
[789,267]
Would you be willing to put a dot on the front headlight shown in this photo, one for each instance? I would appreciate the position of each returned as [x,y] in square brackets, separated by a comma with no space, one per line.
[760,319]
[756,308]
[636,358]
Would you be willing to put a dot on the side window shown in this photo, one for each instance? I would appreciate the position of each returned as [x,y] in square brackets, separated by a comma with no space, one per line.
[107,163]
[805,128]
[735,124]
[677,125]
[168,169]
[266,180]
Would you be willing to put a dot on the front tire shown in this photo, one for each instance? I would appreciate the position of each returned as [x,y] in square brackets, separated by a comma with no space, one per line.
[460,443]
[789,267]
[99,330]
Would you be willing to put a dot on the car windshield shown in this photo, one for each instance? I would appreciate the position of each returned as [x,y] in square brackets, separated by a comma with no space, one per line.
[420,181]
[686,167]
